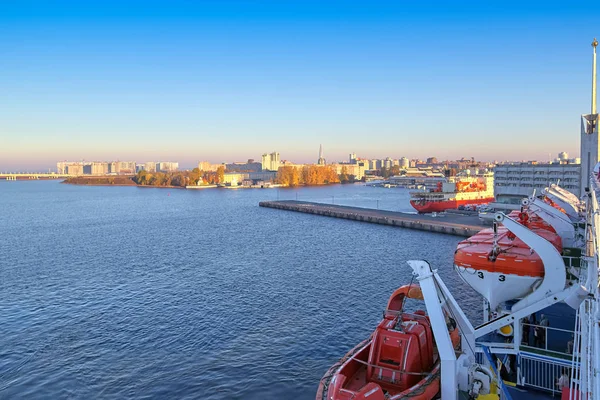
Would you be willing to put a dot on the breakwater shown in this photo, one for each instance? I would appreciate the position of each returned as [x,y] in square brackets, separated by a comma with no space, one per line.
[452,224]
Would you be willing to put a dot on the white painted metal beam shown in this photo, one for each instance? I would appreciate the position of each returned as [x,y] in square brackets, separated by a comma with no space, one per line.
[572,209]
[425,276]
[559,221]
[554,267]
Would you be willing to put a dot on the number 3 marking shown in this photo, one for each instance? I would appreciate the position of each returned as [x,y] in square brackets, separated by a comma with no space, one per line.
[502,278]
[480,274]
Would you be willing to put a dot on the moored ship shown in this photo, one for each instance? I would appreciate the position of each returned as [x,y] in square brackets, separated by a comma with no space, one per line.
[462,189]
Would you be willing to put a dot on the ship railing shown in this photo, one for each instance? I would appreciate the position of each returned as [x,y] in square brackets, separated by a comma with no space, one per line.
[553,339]
[585,382]
[540,372]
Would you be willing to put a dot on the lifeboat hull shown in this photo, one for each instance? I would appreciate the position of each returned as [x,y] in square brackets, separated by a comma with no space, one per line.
[332,385]
[500,266]
[398,361]
[438,206]
[497,287]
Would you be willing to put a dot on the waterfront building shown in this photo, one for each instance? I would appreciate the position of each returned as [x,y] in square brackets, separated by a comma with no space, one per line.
[150,166]
[404,163]
[388,163]
[96,168]
[373,164]
[99,168]
[122,167]
[271,161]
[287,163]
[244,166]
[263,176]
[352,158]
[321,160]
[206,166]
[513,181]
[74,169]
[70,167]
[358,169]
[234,178]
[61,167]
[167,166]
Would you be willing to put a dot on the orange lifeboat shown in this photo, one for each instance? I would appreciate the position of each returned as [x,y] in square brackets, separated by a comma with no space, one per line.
[499,265]
[398,361]
[531,220]
[553,204]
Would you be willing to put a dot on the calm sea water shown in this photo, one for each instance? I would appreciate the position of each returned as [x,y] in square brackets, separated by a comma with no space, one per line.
[124,292]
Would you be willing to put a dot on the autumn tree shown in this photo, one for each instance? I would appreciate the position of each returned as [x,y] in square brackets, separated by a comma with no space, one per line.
[141,178]
[344,175]
[194,176]
[221,174]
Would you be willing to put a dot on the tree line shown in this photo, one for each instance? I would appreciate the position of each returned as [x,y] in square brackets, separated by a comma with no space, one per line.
[307,175]
[287,176]
[180,178]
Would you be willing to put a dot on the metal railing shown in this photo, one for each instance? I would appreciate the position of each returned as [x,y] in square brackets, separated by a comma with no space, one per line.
[541,372]
[551,338]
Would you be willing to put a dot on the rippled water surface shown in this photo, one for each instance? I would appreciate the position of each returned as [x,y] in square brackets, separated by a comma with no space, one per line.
[124,292]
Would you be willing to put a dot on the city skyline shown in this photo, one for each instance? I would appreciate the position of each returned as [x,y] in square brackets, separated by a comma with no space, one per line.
[230,81]
[349,158]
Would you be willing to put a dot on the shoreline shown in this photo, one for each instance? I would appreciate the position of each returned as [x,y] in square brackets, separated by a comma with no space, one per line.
[133,184]
[98,184]
[128,182]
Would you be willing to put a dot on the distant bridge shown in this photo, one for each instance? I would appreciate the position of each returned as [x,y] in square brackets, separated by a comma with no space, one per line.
[23,176]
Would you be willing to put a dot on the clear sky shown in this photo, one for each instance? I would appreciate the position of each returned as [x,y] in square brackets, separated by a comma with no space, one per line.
[229,80]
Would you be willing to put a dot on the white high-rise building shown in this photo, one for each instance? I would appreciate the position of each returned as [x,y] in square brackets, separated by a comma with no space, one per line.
[271,161]
[404,162]
[150,166]
[167,166]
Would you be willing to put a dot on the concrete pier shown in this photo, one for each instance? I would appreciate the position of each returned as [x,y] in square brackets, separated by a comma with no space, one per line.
[452,224]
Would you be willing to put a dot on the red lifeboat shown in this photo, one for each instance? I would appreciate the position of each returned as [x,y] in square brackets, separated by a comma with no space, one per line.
[499,265]
[399,359]
[548,200]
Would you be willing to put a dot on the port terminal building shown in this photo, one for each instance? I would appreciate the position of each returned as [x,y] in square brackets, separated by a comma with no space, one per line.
[513,181]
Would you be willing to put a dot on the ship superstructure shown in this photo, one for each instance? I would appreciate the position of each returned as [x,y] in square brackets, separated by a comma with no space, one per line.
[463,189]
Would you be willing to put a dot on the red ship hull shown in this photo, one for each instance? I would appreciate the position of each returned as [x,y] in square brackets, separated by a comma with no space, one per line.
[438,206]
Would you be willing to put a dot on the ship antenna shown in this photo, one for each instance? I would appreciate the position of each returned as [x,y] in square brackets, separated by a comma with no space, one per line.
[594,45]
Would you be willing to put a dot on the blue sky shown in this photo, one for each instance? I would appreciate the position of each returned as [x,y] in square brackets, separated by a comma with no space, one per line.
[230,80]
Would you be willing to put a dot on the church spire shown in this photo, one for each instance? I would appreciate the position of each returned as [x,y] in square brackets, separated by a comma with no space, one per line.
[321,158]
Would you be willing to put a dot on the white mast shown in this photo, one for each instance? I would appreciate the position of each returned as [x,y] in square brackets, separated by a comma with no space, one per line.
[590,146]
[594,45]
